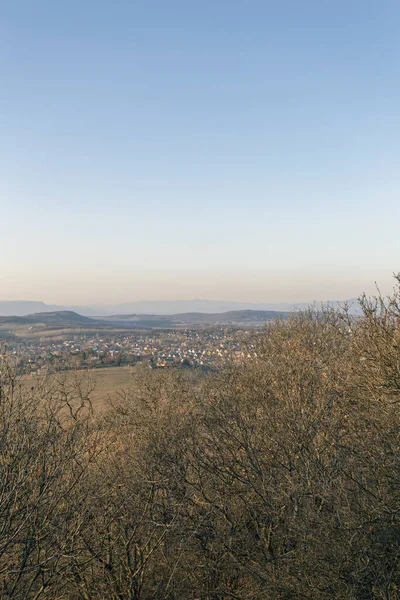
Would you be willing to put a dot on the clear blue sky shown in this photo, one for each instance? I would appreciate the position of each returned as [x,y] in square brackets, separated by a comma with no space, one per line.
[238,150]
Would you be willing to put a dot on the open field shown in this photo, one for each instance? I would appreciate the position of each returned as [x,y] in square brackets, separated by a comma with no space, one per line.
[106,381]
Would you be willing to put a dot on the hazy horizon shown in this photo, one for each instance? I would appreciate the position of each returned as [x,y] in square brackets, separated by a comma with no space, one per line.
[229,151]
[277,292]
[97,288]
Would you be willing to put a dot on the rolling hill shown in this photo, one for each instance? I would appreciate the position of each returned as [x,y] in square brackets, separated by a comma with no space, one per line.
[55,321]
[62,318]
[237,317]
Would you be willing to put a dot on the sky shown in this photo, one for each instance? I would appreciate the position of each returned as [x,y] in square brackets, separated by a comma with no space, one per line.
[222,149]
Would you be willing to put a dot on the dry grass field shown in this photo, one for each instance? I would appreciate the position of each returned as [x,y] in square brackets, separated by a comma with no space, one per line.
[105,382]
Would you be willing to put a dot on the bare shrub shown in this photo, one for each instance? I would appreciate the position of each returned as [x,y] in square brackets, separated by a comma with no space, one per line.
[46,449]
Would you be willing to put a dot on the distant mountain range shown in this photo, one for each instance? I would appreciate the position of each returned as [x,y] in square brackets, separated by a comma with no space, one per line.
[168,307]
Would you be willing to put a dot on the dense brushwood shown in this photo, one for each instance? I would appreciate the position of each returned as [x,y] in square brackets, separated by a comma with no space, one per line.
[276,479]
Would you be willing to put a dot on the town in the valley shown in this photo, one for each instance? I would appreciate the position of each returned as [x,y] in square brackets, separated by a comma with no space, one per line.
[206,349]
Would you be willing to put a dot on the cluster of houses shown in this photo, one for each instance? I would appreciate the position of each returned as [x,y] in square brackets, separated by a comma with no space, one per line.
[207,349]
